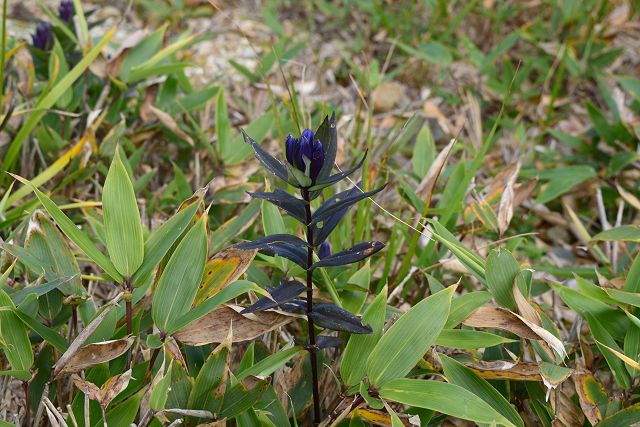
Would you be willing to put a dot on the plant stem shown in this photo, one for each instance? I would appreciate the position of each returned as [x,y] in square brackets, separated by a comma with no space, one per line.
[312,333]
[27,406]
[74,321]
[3,43]
[129,313]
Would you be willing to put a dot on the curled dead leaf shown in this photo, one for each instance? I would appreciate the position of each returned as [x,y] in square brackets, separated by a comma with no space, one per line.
[426,186]
[149,98]
[506,206]
[286,378]
[432,110]
[109,390]
[170,123]
[171,348]
[505,370]
[88,388]
[96,353]
[499,318]
[214,327]
[83,336]
[108,64]
[566,411]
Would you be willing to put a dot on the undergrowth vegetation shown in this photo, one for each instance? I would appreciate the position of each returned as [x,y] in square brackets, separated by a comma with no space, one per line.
[340,213]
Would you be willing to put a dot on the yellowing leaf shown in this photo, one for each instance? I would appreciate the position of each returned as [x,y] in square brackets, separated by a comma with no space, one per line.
[222,269]
[591,394]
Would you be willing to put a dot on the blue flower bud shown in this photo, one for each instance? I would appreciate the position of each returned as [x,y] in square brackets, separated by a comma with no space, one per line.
[66,11]
[305,153]
[324,250]
[42,37]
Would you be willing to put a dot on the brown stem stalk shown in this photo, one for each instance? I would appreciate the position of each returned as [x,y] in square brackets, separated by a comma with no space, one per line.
[27,406]
[128,288]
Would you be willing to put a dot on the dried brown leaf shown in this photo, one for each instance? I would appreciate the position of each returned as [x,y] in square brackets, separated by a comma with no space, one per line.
[96,353]
[506,206]
[628,197]
[433,111]
[547,337]
[504,370]
[523,191]
[387,96]
[88,388]
[525,309]
[499,318]
[286,379]
[113,387]
[171,348]
[214,326]
[146,114]
[426,186]
[170,123]
[109,65]
[564,408]
[83,336]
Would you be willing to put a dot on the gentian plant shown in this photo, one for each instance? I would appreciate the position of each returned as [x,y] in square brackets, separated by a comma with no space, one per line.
[42,38]
[309,162]
[66,11]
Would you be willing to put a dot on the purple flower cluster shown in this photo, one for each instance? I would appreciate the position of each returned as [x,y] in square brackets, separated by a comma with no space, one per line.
[42,38]
[305,153]
[66,11]
[324,250]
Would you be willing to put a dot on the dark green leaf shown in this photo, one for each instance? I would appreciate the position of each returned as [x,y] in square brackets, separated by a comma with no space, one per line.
[332,317]
[291,204]
[353,254]
[274,165]
[282,294]
[341,201]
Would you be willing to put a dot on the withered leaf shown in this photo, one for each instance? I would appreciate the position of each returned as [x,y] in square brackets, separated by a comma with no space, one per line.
[96,353]
[170,123]
[88,388]
[109,390]
[506,206]
[171,348]
[428,183]
[504,370]
[214,327]
[83,336]
[499,318]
